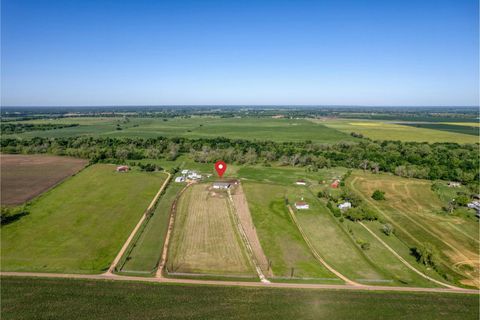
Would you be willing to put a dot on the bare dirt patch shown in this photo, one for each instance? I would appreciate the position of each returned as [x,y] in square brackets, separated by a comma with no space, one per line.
[24,177]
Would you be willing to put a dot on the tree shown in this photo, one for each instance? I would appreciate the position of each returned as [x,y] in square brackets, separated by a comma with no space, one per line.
[388,229]
[426,254]
[378,195]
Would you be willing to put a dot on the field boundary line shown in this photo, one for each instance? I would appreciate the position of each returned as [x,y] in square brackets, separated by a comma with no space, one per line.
[139,224]
[405,262]
[245,241]
[171,222]
[115,277]
[317,255]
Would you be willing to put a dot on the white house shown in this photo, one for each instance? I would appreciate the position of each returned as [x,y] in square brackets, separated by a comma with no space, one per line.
[344,206]
[180,179]
[454,184]
[301,182]
[301,205]
[194,176]
[185,172]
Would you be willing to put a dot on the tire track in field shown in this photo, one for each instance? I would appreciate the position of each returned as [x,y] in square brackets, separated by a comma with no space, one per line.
[317,255]
[139,224]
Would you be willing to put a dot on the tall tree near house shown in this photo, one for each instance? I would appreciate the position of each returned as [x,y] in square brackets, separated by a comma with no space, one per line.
[364,165]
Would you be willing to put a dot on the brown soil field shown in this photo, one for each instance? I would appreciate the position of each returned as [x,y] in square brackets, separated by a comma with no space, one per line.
[24,177]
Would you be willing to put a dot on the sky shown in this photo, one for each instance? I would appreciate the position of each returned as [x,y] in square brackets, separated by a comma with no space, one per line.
[140,52]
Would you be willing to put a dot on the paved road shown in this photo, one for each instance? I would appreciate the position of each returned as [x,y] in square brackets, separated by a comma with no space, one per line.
[115,277]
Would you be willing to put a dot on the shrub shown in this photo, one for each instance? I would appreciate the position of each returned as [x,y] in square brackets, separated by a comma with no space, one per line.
[360,213]
[388,229]
[426,254]
[378,195]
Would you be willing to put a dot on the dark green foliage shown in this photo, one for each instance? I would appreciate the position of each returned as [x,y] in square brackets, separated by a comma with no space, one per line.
[12,127]
[9,215]
[388,229]
[447,161]
[471,130]
[360,213]
[378,195]
[426,254]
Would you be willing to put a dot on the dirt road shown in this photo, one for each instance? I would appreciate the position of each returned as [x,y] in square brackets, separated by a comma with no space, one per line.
[114,277]
[142,219]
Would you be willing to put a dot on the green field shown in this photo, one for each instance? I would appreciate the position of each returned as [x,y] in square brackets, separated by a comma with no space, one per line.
[473,130]
[280,239]
[80,225]
[30,298]
[384,130]
[146,253]
[195,127]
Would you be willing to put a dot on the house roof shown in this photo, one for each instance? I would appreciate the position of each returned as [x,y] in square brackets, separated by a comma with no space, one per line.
[301,203]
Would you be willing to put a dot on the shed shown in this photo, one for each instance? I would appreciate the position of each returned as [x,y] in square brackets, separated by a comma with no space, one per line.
[301,205]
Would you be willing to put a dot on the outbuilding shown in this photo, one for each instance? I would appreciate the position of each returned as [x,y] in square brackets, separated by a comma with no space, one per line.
[301,205]
[123,168]
[301,182]
[221,185]
[180,179]
[344,206]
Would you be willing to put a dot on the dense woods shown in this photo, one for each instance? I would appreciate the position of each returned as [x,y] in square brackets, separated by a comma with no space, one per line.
[446,161]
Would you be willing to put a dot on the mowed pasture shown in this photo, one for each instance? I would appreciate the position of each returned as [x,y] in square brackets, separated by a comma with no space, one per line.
[37,298]
[79,226]
[280,239]
[385,130]
[205,240]
[194,127]
[24,177]
[145,255]
[415,211]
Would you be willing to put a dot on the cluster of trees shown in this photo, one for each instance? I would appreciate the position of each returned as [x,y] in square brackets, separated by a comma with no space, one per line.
[13,127]
[447,161]
[378,195]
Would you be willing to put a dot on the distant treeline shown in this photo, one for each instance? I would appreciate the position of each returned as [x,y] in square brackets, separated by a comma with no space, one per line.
[12,127]
[447,161]
[429,114]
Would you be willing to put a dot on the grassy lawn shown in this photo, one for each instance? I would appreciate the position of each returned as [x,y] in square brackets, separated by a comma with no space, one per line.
[415,211]
[204,239]
[148,249]
[280,239]
[80,225]
[384,130]
[29,298]
[195,127]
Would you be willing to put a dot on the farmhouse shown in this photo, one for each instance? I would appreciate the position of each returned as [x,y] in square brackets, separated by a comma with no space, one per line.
[123,168]
[301,182]
[221,185]
[454,184]
[224,184]
[185,172]
[194,176]
[180,179]
[301,205]
[335,183]
[344,206]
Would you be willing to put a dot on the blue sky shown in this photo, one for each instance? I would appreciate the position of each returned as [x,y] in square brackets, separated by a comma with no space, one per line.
[85,52]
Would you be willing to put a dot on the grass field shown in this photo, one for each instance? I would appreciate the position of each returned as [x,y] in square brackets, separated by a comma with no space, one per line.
[24,177]
[384,130]
[27,298]
[416,213]
[196,127]
[280,239]
[148,249]
[80,225]
[205,240]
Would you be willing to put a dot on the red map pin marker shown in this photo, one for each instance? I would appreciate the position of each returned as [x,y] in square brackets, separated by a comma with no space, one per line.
[220,166]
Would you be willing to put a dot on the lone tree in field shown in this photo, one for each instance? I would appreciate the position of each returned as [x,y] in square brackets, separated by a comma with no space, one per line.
[378,195]
[426,254]
[388,229]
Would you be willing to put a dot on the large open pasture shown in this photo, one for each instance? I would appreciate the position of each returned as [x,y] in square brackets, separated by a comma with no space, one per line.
[80,225]
[280,238]
[415,211]
[205,239]
[30,298]
[385,130]
[195,127]
[24,177]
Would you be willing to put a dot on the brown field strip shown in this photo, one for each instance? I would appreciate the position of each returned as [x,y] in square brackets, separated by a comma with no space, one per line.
[23,177]
[245,218]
